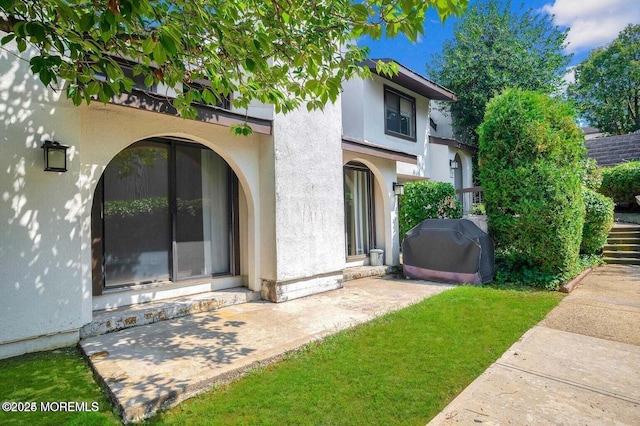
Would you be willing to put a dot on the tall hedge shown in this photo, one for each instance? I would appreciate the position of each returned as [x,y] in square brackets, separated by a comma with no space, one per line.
[529,158]
[427,200]
[622,183]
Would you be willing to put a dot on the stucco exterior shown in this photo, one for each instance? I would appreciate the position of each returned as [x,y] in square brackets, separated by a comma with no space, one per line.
[290,197]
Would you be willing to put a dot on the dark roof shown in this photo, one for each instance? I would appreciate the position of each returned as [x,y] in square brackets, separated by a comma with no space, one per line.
[614,150]
[413,81]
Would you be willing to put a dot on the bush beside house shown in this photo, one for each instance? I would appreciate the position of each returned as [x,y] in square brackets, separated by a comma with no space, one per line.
[597,222]
[622,183]
[427,200]
[530,168]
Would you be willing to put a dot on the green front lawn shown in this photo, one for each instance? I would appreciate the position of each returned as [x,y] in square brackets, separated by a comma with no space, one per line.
[402,368]
[52,377]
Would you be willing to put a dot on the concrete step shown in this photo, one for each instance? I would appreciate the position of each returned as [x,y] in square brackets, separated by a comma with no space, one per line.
[358,272]
[109,320]
[625,227]
[622,240]
[621,247]
[622,260]
[621,253]
[625,234]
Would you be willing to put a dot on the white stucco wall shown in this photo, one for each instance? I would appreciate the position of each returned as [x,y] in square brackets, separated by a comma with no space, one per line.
[41,270]
[442,117]
[309,216]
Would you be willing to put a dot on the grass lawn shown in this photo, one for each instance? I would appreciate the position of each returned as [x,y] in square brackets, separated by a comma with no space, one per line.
[402,368]
[55,376]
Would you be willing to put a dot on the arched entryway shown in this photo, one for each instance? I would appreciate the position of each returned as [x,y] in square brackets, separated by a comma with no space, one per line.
[165,210]
[359,210]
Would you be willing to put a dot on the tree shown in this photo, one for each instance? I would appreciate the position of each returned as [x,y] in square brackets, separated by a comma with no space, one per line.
[607,85]
[494,48]
[280,52]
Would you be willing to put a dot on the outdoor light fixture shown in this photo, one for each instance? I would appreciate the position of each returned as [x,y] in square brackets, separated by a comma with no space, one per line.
[398,188]
[453,164]
[55,156]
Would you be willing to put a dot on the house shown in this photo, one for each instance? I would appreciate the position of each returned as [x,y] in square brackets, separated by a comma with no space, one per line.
[153,206]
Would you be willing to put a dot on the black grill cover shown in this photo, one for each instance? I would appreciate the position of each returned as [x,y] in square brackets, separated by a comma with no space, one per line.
[448,250]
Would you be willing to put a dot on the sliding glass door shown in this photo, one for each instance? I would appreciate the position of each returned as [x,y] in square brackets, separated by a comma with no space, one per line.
[168,213]
[358,210]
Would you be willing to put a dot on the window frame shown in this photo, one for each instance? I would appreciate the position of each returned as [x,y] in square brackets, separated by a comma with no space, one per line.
[401,95]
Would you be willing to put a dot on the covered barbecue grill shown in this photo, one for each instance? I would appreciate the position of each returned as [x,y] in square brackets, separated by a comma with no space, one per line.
[448,250]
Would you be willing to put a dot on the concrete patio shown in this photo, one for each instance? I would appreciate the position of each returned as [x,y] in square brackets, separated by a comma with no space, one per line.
[155,366]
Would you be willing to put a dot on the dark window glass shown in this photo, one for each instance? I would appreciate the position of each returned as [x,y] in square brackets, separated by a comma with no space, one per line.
[136,215]
[399,113]
[167,212]
[358,211]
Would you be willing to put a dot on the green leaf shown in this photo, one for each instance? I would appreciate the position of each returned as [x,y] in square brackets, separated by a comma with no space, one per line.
[148,45]
[87,21]
[6,4]
[6,39]
[159,54]
[168,43]
[250,65]
[36,31]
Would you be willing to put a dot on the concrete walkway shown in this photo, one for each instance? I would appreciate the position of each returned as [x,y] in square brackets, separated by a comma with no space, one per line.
[158,365]
[579,366]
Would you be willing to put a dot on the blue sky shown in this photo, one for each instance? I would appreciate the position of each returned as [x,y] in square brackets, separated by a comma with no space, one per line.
[591,23]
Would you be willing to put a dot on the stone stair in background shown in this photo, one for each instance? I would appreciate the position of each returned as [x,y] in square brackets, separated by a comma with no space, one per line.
[623,245]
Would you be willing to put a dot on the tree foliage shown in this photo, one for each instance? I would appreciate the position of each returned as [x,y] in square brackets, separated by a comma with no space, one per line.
[530,167]
[280,52]
[607,85]
[494,48]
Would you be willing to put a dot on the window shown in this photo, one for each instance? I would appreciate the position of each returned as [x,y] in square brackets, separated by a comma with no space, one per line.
[400,114]
[358,209]
[167,212]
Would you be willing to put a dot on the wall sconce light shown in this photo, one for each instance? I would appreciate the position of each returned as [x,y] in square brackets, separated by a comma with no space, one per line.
[398,188]
[453,164]
[55,156]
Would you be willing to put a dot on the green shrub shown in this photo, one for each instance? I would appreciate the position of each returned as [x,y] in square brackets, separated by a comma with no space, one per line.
[597,222]
[622,183]
[591,174]
[427,200]
[529,157]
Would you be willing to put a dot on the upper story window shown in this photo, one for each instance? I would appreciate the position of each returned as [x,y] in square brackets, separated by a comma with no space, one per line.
[400,114]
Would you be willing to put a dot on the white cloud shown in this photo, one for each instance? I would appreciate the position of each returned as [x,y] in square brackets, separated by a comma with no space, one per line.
[593,23]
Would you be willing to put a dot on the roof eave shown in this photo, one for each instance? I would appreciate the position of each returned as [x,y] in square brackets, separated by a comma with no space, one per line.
[413,81]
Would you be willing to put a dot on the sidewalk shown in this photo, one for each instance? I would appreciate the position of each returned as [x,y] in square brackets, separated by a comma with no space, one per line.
[579,366]
[155,366]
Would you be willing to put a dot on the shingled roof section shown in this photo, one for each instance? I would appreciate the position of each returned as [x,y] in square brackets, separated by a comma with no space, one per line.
[614,150]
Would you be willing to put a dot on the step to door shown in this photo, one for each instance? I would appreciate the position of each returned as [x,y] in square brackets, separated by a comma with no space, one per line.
[110,320]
